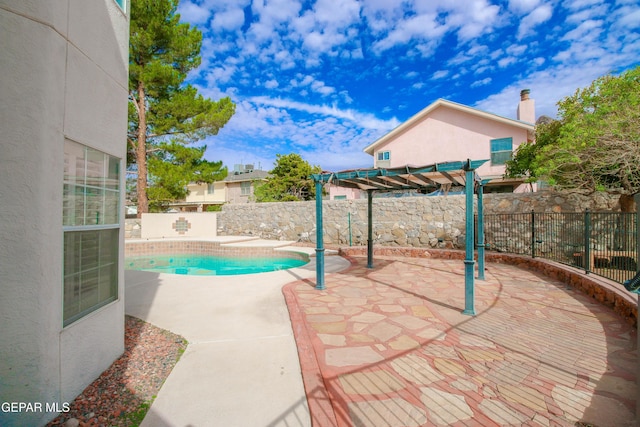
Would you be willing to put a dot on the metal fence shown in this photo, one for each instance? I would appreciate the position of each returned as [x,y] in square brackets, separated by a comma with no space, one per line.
[603,243]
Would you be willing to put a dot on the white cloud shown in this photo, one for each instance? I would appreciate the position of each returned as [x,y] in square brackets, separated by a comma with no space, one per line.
[420,27]
[538,16]
[482,82]
[228,20]
[441,74]
[271,84]
[523,6]
[630,17]
[193,13]
[365,120]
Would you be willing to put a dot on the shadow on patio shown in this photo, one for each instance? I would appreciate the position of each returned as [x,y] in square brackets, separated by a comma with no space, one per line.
[389,346]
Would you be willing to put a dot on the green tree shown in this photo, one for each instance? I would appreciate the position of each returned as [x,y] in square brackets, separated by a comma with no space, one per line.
[523,163]
[165,113]
[174,166]
[595,145]
[289,180]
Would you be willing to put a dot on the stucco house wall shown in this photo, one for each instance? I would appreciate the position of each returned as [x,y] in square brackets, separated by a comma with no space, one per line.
[200,193]
[451,135]
[64,77]
[447,131]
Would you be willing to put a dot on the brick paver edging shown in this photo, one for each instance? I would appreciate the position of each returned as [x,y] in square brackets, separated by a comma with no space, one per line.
[607,292]
[320,407]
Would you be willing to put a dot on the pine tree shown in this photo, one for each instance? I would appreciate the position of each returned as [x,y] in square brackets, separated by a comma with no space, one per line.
[164,112]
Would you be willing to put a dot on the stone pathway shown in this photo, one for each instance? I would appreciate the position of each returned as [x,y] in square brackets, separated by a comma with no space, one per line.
[389,347]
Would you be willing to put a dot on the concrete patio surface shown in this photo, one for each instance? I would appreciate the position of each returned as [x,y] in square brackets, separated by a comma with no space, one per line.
[389,346]
[241,366]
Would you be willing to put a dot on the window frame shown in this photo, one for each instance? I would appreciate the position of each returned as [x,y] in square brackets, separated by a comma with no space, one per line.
[90,277]
[245,188]
[384,155]
[498,153]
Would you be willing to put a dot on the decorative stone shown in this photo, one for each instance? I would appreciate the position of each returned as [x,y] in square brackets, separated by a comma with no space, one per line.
[404,343]
[416,369]
[445,408]
[496,410]
[523,395]
[375,382]
[388,413]
[72,422]
[350,356]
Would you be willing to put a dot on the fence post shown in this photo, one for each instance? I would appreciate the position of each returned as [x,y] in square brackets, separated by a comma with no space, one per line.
[533,234]
[587,241]
[350,235]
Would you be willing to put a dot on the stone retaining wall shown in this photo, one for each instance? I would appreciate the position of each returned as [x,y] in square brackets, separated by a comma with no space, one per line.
[435,222]
[604,291]
[132,228]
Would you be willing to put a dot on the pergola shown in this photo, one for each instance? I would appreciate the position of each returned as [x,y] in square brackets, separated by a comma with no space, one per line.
[423,179]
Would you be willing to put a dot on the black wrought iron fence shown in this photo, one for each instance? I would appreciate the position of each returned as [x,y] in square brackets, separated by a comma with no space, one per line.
[603,243]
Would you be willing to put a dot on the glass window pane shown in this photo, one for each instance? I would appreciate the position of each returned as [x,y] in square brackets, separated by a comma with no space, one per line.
[71,295]
[74,160]
[95,168]
[94,206]
[111,207]
[113,173]
[502,144]
[89,295]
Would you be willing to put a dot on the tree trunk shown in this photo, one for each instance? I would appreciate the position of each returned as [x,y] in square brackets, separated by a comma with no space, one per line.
[141,153]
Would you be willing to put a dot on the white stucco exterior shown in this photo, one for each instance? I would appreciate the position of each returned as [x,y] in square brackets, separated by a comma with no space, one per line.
[64,77]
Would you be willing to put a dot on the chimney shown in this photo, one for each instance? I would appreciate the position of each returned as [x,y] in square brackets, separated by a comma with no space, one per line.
[526,108]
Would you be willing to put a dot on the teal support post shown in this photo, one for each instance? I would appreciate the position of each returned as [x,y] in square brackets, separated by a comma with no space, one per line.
[350,232]
[480,234]
[319,239]
[469,291]
[369,228]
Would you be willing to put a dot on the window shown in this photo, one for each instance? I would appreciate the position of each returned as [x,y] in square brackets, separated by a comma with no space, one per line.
[210,188]
[342,197]
[384,155]
[501,150]
[91,224]
[245,188]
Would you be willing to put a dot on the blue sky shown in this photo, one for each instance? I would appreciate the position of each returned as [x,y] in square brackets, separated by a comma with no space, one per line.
[326,78]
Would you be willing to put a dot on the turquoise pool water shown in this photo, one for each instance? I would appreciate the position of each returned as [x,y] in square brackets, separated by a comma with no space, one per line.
[210,265]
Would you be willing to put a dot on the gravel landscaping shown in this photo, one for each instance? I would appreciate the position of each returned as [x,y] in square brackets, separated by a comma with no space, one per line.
[123,393]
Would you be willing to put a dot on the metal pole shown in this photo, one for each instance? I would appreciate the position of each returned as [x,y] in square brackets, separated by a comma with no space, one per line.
[350,234]
[469,291]
[319,246]
[370,229]
[480,234]
[533,234]
[587,241]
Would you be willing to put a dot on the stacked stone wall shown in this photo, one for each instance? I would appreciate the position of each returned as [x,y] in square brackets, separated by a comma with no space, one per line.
[434,222]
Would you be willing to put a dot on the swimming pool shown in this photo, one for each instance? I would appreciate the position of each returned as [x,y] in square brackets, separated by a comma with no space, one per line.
[212,265]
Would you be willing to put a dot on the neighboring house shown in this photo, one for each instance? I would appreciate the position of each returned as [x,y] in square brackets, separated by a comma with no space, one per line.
[64,120]
[448,131]
[237,187]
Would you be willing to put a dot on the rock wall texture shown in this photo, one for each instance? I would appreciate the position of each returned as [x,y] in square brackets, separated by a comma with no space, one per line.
[436,222]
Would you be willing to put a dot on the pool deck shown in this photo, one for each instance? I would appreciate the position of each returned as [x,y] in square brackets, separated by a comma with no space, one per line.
[388,346]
